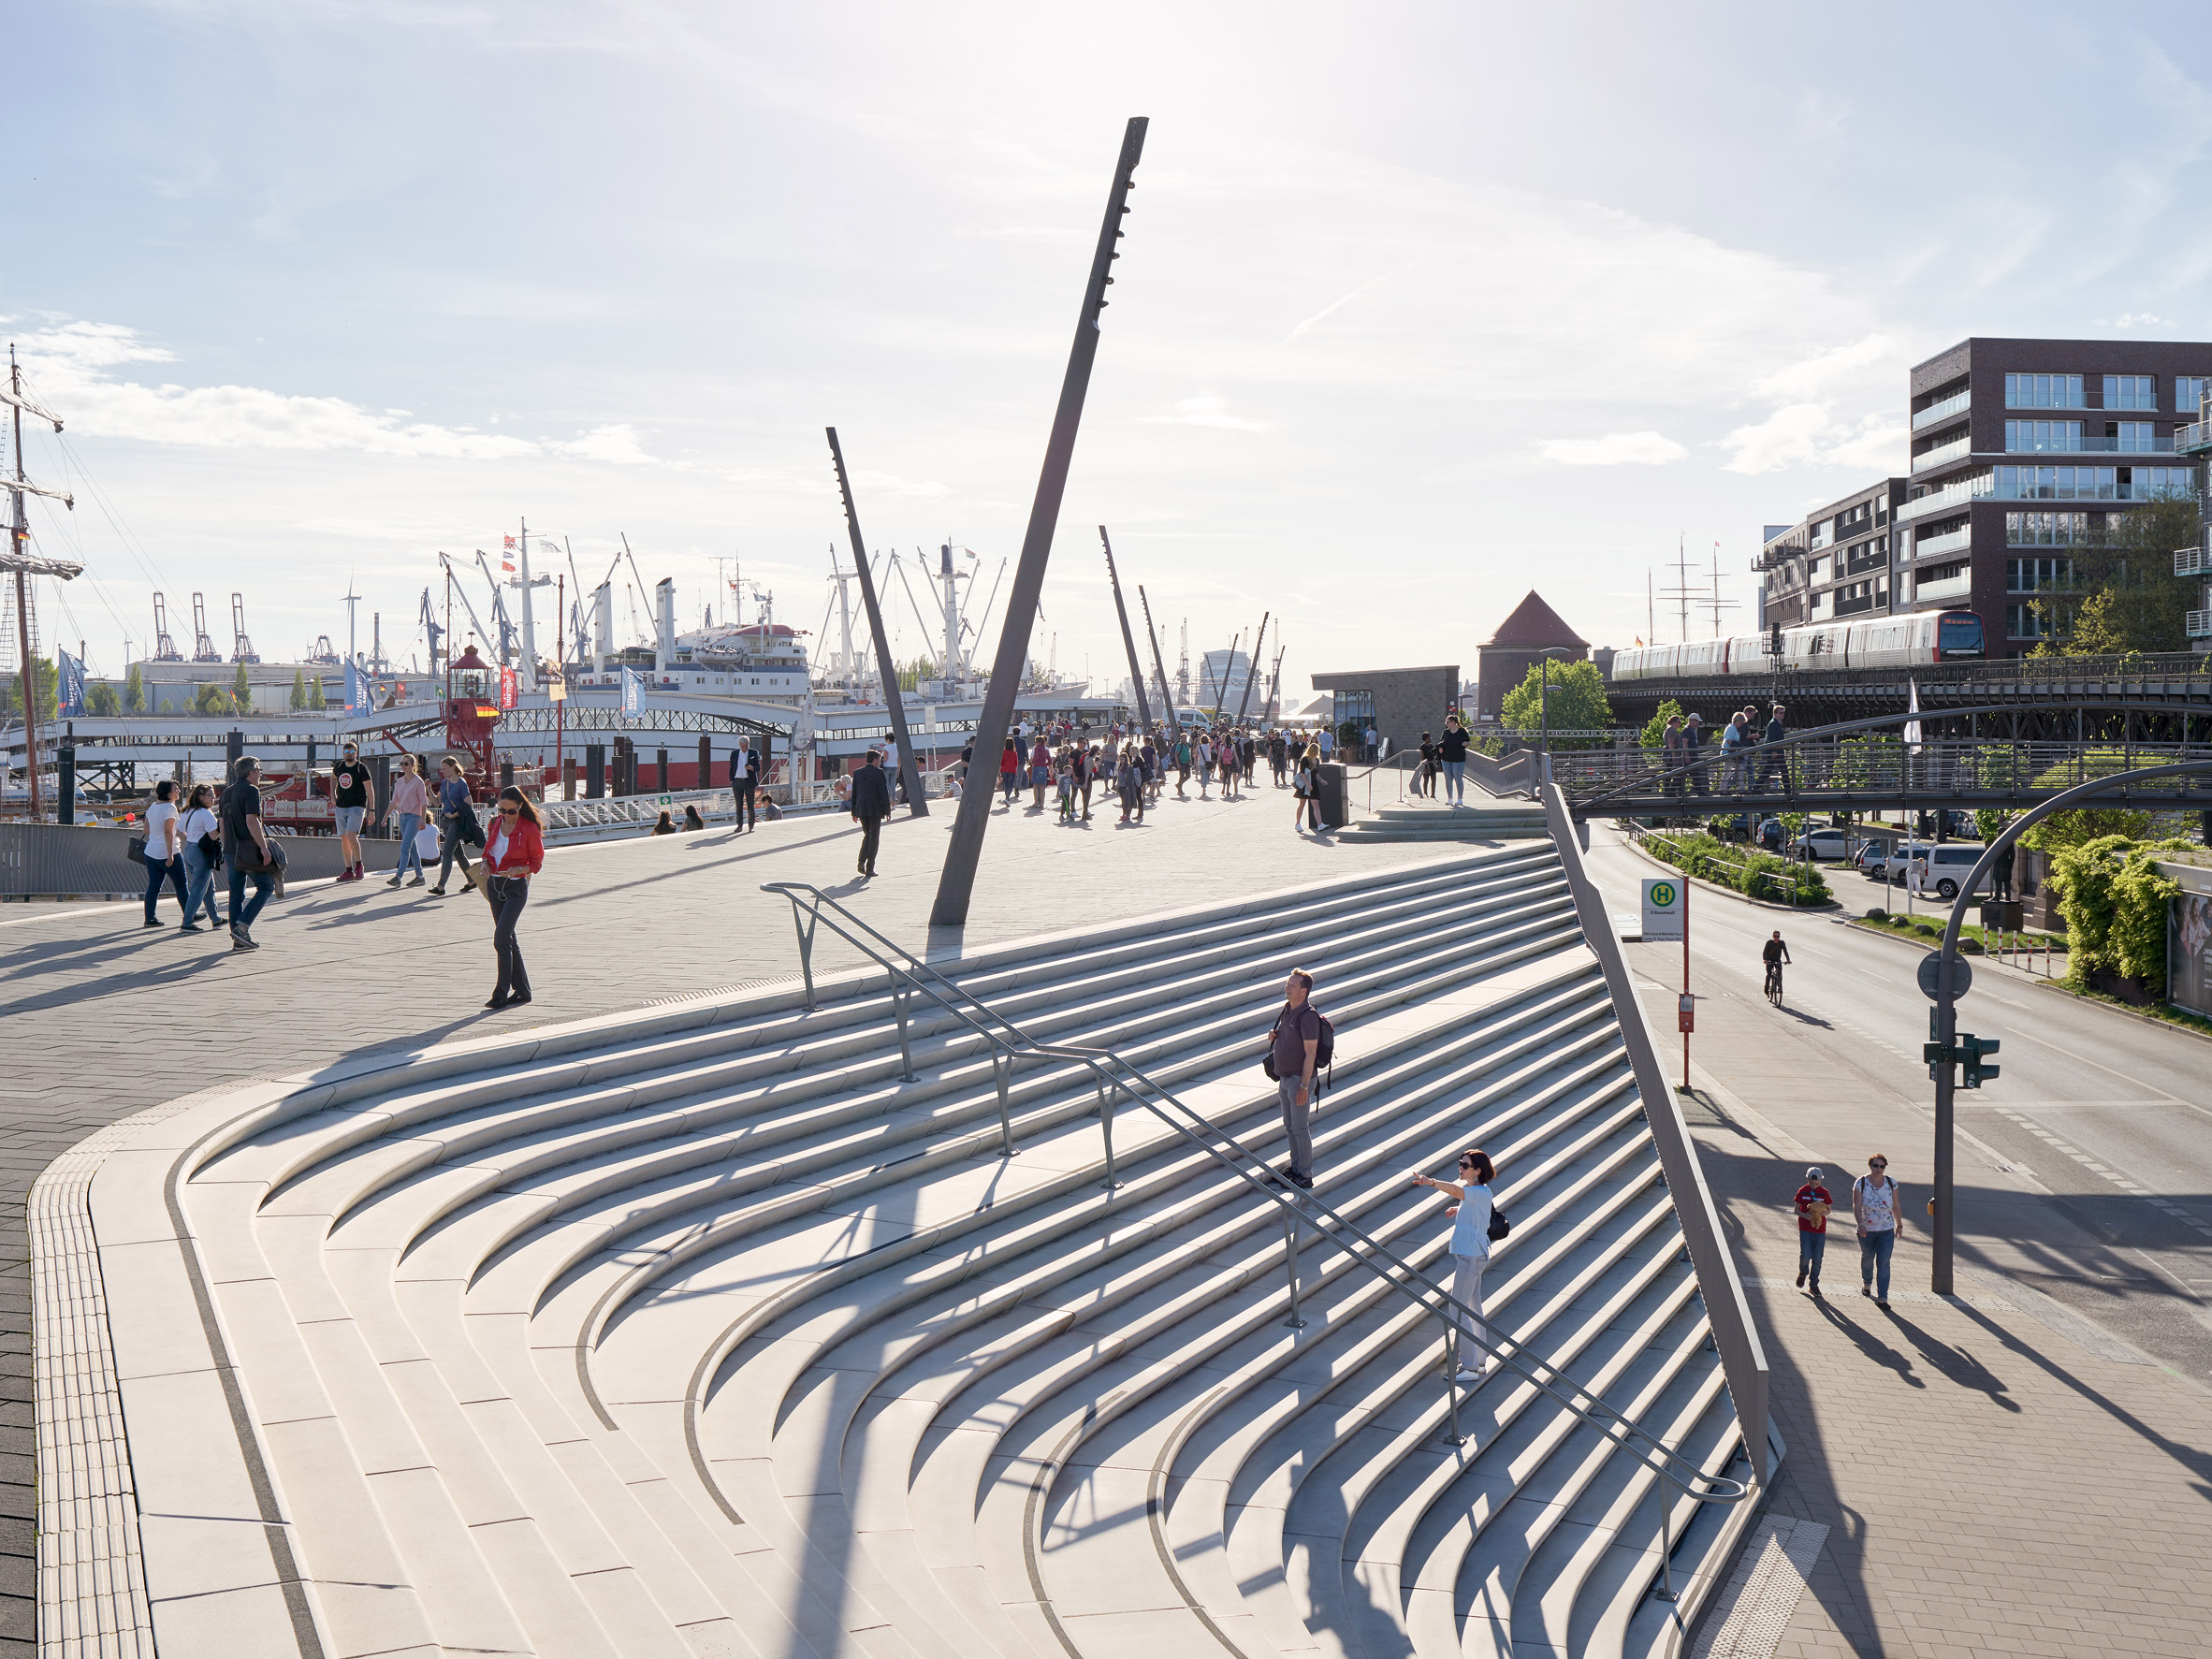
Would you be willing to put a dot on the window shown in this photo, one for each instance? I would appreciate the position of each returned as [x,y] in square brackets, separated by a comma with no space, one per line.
[2128,391]
[1820,533]
[2150,483]
[2037,575]
[2057,483]
[2135,437]
[2189,395]
[2031,435]
[2041,620]
[2043,391]
[2046,530]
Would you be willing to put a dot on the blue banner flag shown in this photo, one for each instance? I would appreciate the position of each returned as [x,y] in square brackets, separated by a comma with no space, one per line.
[72,684]
[632,691]
[356,690]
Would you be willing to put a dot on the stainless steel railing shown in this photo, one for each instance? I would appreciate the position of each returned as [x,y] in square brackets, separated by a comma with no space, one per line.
[1115,1076]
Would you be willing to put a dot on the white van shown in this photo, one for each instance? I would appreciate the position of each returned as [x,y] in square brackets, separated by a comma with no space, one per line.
[1949,864]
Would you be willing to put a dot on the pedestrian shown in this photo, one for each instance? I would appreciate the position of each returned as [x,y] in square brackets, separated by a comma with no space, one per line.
[663,825]
[1086,774]
[1372,751]
[1673,755]
[350,791]
[515,852]
[869,806]
[1874,1207]
[1225,751]
[1733,767]
[1278,757]
[164,851]
[1916,872]
[891,772]
[1305,799]
[457,824]
[1326,742]
[692,819]
[2002,873]
[1148,758]
[1451,754]
[1473,1205]
[202,835]
[1776,758]
[1694,752]
[411,798]
[1294,1046]
[1182,765]
[1424,774]
[1063,777]
[1010,770]
[1813,1204]
[246,850]
[1205,751]
[1128,782]
[1041,771]
[1248,751]
[744,782]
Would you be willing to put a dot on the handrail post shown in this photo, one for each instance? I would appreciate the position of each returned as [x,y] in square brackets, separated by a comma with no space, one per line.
[906,1052]
[1451,1382]
[805,932]
[1001,1071]
[1290,1231]
[1665,1590]
[1106,1130]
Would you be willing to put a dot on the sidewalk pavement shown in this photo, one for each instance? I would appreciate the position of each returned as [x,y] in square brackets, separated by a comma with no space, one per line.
[104,1017]
[1998,1476]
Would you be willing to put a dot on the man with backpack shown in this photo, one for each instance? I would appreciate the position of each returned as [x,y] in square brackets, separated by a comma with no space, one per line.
[1300,1044]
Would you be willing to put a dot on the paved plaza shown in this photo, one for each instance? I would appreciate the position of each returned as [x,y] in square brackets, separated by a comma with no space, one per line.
[1998,1476]
[104,1017]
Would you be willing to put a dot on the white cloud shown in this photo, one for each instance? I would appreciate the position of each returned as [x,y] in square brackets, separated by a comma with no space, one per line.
[1208,412]
[1806,435]
[890,484]
[617,445]
[2137,319]
[1615,449]
[1837,369]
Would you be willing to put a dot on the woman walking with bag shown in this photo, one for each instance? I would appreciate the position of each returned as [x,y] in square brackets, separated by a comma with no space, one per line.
[1472,1211]
[203,856]
[165,856]
[515,854]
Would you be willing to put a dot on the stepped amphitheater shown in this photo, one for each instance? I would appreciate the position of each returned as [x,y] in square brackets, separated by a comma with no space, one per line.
[729,1328]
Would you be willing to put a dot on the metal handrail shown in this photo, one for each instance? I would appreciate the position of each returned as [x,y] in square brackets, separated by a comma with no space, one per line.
[912,976]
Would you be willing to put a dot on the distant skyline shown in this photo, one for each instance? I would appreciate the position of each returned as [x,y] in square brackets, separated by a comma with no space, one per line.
[1419,307]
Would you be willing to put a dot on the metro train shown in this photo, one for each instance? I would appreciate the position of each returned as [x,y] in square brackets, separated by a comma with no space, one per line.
[1880,642]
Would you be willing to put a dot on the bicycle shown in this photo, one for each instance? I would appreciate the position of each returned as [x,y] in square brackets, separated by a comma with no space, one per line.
[1774,983]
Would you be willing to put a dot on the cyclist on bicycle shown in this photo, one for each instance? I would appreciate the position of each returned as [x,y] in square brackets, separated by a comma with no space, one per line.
[1774,952]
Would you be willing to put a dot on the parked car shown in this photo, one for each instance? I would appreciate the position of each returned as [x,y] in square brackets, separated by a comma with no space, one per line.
[1948,865]
[1873,859]
[1822,843]
[1771,833]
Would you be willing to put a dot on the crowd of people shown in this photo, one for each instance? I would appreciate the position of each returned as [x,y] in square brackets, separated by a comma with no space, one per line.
[1685,740]
[1133,764]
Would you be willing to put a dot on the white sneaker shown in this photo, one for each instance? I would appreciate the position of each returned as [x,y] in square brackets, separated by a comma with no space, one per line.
[1467,1378]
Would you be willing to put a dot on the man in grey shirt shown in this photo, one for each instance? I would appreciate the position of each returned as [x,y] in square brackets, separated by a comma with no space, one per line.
[1295,1044]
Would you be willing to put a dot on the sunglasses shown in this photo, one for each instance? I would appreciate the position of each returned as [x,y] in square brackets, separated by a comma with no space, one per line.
[509,811]
[1878,1163]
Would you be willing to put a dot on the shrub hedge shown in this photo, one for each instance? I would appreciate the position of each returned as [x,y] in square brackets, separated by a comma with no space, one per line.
[1756,875]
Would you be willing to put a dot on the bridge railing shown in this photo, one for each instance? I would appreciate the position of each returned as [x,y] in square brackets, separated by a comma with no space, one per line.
[1876,763]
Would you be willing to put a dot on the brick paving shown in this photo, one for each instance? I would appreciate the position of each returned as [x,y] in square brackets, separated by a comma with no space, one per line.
[1990,1487]
[101,1017]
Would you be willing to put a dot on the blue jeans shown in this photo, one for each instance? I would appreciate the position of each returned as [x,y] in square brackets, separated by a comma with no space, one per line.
[1873,1255]
[1811,1246]
[1455,780]
[409,858]
[199,877]
[157,873]
[243,909]
[1297,1124]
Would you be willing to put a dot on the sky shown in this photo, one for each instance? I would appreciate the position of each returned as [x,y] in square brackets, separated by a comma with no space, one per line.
[1420,306]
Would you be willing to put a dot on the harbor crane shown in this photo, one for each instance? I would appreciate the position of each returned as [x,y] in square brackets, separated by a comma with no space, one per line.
[203,648]
[242,649]
[164,649]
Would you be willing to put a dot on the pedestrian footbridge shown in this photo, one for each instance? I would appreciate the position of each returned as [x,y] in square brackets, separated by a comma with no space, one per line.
[731,1328]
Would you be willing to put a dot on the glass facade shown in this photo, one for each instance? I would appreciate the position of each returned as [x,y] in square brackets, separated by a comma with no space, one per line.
[2130,391]
[1355,706]
[2189,395]
[2030,435]
[2043,391]
[2037,575]
[2091,484]
[2046,530]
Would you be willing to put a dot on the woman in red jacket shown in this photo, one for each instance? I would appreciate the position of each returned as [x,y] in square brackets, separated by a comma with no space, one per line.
[515,853]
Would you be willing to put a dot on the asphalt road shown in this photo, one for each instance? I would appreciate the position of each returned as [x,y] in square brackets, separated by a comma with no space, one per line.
[2084,1170]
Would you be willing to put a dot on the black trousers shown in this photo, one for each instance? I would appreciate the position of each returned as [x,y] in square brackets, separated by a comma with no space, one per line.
[743,796]
[871,837]
[508,895]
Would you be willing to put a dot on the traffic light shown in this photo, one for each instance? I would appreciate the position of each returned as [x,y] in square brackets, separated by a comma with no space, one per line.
[1971,1050]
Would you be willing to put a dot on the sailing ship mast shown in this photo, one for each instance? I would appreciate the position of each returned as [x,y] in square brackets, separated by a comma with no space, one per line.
[25,565]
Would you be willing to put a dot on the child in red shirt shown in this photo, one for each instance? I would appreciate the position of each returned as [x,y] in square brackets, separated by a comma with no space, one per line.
[1813,1204]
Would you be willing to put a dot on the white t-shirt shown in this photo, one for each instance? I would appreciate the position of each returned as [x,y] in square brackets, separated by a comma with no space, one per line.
[498,847]
[1470,1229]
[197,822]
[1877,1204]
[159,817]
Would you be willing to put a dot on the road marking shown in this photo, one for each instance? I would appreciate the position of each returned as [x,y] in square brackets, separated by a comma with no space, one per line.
[2127,1183]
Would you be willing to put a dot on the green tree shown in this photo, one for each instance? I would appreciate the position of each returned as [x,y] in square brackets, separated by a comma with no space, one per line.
[912,674]
[49,689]
[314,693]
[1575,703]
[134,691]
[101,699]
[211,699]
[241,691]
[1655,729]
[298,688]
[2114,902]
[2125,596]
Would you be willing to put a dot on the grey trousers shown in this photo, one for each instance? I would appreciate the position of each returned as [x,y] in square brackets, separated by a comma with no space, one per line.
[1466,1286]
[1295,1121]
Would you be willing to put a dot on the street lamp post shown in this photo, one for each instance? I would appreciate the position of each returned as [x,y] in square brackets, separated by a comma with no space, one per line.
[1943,1052]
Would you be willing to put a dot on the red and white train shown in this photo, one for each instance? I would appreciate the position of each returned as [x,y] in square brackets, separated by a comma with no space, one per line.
[1879,642]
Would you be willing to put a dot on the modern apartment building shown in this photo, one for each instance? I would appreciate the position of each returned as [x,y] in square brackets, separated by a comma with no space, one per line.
[2021,451]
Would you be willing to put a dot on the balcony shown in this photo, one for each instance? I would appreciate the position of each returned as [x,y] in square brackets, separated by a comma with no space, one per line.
[2093,445]
[1950,497]
[1956,403]
[2193,438]
[1951,541]
[2197,624]
[2192,561]
[1944,454]
[1957,587]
